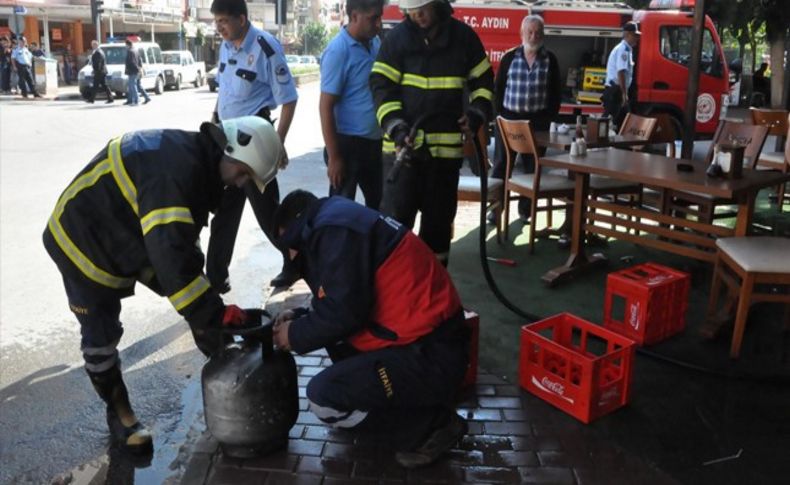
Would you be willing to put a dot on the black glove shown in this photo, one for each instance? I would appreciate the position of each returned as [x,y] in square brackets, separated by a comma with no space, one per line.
[210,340]
[399,134]
[475,121]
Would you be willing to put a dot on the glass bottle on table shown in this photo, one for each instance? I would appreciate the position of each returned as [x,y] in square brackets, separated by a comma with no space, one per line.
[579,132]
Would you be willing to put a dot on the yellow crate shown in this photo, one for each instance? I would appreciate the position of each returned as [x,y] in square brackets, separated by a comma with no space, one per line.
[594,78]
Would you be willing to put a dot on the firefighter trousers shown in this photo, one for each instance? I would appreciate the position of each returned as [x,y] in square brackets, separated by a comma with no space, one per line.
[398,393]
[98,311]
[428,186]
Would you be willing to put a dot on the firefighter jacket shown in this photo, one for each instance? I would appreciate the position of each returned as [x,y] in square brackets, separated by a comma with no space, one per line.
[135,214]
[374,283]
[415,76]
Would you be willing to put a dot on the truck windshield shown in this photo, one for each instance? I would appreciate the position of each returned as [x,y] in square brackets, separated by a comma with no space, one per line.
[171,58]
[676,46]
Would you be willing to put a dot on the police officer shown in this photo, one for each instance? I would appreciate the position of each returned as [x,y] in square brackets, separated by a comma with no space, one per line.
[134,213]
[254,79]
[23,61]
[619,74]
[432,77]
[390,318]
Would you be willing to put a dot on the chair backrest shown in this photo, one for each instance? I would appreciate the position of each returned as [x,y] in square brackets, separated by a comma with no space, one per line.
[517,138]
[753,135]
[775,119]
[639,126]
[787,142]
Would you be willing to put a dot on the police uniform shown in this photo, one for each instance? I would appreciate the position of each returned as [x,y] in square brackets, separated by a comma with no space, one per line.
[620,59]
[24,61]
[254,79]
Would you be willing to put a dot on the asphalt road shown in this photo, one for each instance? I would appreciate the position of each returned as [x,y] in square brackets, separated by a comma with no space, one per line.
[51,422]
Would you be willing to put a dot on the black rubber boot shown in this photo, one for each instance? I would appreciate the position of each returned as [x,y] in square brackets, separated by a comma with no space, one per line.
[287,277]
[124,428]
[448,431]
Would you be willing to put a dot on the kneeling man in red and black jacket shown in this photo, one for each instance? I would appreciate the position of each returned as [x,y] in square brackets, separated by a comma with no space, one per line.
[390,318]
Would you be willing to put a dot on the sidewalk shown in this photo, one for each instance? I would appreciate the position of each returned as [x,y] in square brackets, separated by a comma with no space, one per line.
[513,438]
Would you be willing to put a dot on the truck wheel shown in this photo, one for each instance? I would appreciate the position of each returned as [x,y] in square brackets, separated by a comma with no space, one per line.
[198,80]
[177,86]
[159,88]
[212,88]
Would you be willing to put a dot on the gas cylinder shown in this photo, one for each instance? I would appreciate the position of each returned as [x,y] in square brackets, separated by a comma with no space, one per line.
[250,391]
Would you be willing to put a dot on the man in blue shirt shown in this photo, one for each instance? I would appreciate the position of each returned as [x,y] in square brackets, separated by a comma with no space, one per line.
[619,73]
[348,116]
[23,61]
[254,79]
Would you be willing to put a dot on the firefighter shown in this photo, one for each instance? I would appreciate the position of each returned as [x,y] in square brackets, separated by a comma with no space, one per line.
[619,74]
[426,67]
[390,318]
[134,213]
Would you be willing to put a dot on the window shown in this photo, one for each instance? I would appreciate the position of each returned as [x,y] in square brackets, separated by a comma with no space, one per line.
[154,55]
[675,45]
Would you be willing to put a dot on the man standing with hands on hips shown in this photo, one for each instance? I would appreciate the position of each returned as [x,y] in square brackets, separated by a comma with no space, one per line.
[254,80]
[619,74]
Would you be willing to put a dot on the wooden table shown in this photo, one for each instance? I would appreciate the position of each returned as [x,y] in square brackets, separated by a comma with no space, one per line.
[678,235]
[563,141]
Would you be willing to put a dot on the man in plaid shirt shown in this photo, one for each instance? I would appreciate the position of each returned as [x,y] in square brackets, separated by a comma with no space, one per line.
[527,88]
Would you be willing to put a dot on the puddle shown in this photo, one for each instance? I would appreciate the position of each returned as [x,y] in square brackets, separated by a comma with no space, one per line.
[170,456]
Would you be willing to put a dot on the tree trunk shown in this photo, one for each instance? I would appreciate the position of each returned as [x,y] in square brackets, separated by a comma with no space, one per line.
[777,50]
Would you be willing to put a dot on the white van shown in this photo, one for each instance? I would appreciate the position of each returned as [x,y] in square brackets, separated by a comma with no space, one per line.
[151,56]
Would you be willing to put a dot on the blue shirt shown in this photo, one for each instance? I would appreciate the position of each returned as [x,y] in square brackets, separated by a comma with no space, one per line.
[345,69]
[254,76]
[22,56]
[620,59]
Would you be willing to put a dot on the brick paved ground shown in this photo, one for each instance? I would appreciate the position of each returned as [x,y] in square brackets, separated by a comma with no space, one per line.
[513,438]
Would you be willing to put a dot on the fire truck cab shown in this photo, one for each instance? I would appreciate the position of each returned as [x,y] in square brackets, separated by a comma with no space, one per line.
[581,33]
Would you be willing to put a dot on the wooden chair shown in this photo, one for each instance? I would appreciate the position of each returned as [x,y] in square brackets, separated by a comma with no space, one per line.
[469,185]
[704,206]
[778,123]
[743,263]
[517,138]
[602,186]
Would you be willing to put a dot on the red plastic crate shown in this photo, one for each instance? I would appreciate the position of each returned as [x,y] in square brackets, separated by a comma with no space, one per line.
[655,299]
[472,320]
[575,365]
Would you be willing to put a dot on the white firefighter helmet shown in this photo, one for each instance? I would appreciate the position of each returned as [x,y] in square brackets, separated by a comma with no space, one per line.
[254,142]
[410,4]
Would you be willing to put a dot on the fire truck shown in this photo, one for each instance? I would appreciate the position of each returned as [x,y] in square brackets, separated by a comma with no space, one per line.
[581,33]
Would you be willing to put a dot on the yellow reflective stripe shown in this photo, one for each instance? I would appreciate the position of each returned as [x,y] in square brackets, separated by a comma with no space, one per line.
[444,139]
[387,71]
[165,216]
[120,175]
[387,108]
[481,93]
[65,243]
[189,293]
[446,152]
[432,82]
[479,69]
[388,146]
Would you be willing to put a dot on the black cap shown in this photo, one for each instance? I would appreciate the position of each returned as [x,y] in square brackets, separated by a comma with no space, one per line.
[632,27]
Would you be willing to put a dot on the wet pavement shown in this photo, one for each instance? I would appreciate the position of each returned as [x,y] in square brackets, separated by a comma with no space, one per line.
[513,438]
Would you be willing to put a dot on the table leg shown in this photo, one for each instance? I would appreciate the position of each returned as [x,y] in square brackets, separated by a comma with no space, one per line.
[743,223]
[578,261]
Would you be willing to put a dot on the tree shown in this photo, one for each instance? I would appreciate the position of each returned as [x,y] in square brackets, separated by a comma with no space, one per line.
[313,38]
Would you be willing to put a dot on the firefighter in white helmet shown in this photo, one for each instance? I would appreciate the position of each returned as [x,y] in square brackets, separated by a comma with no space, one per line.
[134,214]
[432,83]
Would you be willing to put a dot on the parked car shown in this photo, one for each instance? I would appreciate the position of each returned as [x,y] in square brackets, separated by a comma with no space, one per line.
[181,67]
[211,79]
[307,60]
[115,53]
[292,60]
